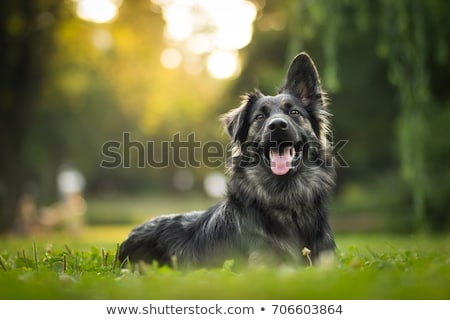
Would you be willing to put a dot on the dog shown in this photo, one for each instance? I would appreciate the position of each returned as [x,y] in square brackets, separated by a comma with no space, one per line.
[281,174]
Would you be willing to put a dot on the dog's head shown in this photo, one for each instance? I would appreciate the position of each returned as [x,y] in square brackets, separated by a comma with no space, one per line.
[285,132]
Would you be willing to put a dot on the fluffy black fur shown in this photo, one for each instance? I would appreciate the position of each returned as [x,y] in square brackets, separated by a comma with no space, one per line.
[269,215]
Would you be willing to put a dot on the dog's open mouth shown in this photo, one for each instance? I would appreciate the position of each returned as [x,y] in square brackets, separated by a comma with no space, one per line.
[282,159]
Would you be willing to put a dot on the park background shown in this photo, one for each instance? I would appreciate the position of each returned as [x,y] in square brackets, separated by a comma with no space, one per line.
[78,74]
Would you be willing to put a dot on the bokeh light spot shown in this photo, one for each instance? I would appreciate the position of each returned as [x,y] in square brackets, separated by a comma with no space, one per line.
[171,58]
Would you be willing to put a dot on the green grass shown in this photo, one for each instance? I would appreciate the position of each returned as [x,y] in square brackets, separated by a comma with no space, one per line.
[373,266]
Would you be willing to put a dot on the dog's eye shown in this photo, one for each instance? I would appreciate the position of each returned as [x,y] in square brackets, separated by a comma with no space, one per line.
[295,112]
[259,117]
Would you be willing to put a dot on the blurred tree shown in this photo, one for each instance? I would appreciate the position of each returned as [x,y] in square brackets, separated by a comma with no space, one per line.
[87,84]
[68,85]
[384,64]
[411,39]
[403,43]
[26,39]
[106,80]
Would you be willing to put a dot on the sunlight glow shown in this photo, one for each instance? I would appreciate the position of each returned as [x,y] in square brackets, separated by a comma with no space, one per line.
[223,65]
[98,11]
[181,26]
[171,58]
[214,29]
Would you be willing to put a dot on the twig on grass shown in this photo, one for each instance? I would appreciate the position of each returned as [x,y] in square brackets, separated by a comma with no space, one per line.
[25,260]
[104,257]
[68,249]
[125,262]
[64,263]
[3,265]
[116,257]
[35,255]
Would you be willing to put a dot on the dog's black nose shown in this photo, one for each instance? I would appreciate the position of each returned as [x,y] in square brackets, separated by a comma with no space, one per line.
[278,124]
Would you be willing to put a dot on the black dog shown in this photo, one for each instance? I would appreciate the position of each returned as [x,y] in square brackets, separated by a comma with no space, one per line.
[281,175]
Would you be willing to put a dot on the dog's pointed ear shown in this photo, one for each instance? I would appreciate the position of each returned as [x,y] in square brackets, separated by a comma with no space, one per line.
[302,79]
[235,120]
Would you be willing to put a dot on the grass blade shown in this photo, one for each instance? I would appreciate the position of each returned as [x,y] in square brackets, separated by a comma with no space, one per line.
[116,258]
[35,255]
[69,251]
[64,263]
[3,265]
[25,260]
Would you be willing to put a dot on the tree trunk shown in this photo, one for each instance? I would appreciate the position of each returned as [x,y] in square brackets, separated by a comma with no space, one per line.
[26,44]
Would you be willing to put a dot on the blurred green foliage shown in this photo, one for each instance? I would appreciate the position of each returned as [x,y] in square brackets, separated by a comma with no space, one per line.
[67,86]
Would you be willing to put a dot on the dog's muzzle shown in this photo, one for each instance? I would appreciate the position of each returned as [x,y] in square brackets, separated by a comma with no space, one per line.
[281,148]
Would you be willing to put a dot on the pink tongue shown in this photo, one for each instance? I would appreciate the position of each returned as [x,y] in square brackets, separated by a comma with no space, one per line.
[280,162]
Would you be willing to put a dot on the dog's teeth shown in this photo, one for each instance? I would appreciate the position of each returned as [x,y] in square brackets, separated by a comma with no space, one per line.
[292,152]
